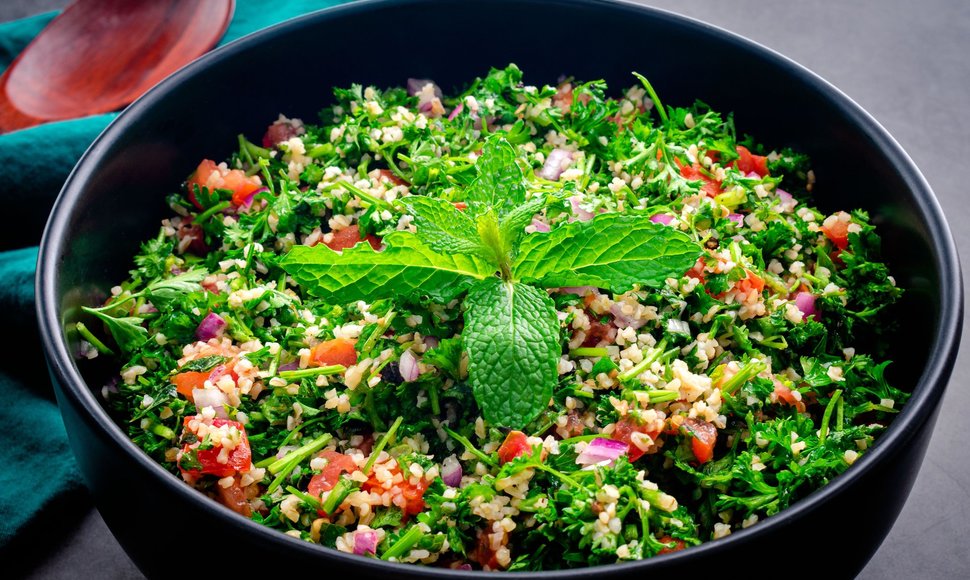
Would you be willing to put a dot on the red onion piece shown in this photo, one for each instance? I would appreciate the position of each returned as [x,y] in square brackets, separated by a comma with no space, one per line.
[431,341]
[662,218]
[557,162]
[580,213]
[465,566]
[454,112]
[211,398]
[753,175]
[365,542]
[290,366]
[210,327]
[784,195]
[600,450]
[622,320]
[409,366]
[415,86]
[540,226]
[805,301]
[736,218]
[451,471]
[249,198]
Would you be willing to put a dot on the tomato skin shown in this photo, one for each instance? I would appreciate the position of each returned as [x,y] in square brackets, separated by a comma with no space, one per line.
[703,438]
[328,477]
[239,461]
[666,540]
[838,233]
[234,498]
[236,180]
[350,237]
[748,162]
[515,445]
[624,430]
[412,494]
[752,282]
[785,395]
[339,351]
[392,177]
[710,187]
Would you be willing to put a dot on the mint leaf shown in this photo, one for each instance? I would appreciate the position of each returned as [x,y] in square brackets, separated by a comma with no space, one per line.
[128,332]
[611,251]
[443,227]
[512,339]
[500,183]
[404,268]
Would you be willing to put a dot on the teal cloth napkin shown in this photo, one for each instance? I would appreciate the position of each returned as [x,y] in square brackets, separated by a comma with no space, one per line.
[39,479]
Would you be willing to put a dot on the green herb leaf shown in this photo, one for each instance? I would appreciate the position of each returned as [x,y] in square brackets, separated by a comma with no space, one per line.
[404,268]
[200,365]
[128,332]
[165,292]
[499,184]
[512,339]
[612,251]
[443,227]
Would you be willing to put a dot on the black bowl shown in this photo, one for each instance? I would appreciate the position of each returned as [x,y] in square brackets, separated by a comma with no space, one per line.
[115,198]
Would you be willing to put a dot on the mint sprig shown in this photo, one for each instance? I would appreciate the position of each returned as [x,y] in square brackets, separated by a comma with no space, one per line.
[511,330]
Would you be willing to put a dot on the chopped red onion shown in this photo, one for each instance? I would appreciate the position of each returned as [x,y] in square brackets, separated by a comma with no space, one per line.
[409,366]
[365,542]
[753,175]
[622,320]
[784,195]
[454,112]
[540,226]
[662,218]
[211,398]
[805,301]
[557,162]
[249,198]
[431,341]
[210,327]
[600,450]
[465,566]
[290,366]
[736,218]
[415,86]
[580,213]
[451,471]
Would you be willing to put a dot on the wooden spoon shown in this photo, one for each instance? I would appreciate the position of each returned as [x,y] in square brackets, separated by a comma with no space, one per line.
[100,55]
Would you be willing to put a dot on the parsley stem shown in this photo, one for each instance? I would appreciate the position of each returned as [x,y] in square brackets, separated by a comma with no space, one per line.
[660,396]
[827,415]
[562,476]
[383,324]
[305,497]
[653,97]
[381,444]
[588,352]
[745,374]
[88,336]
[404,543]
[297,455]
[345,486]
[470,447]
[314,372]
[645,364]
[202,217]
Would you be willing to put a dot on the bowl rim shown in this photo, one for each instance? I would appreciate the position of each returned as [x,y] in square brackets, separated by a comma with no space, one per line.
[927,391]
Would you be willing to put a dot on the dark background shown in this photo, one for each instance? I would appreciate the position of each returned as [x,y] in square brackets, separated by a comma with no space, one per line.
[908,64]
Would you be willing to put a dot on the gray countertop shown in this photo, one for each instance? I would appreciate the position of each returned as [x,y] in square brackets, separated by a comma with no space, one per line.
[907,64]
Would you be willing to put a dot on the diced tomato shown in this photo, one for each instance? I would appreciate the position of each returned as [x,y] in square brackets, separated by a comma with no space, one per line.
[328,477]
[411,499]
[624,430]
[515,445]
[392,177]
[239,459]
[185,382]
[460,205]
[234,498]
[209,175]
[838,233]
[752,282]
[339,351]
[279,132]
[193,232]
[349,237]
[703,438]
[711,187]
[666,540]
[785,395]
[747,162]
[483,554]
[597,332]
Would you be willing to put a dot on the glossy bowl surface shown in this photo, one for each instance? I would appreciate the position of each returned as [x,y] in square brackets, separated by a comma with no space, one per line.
[114,199]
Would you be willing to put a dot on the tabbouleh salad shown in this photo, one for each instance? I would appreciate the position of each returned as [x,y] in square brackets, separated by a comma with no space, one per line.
[522,328]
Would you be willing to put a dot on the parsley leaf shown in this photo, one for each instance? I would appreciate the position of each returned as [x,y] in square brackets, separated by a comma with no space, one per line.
[512,339]
[127,331]
[612,251]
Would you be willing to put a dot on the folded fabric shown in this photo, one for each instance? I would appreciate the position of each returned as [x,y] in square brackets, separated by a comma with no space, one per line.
[37,468]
